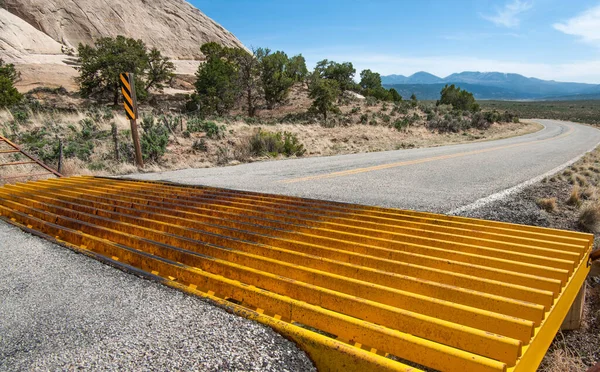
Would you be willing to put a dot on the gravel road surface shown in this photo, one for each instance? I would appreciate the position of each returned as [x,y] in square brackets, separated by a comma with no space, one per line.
[60,310]
[437,179]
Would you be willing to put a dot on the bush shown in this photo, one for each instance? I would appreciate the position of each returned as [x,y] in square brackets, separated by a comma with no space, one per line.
[458,98]
[479,121]
[273,144]
[9,95]
[200,145]
[589,218]
[154,140]
[400,124]
[547,204]
[364,119]
[493,116]
[574,198]
[212,129]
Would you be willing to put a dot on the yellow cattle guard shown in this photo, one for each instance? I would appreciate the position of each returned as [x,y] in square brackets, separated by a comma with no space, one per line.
[358,288]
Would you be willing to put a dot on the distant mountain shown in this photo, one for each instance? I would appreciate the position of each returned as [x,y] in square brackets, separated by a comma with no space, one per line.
[491,85]
[423,77]
[394,79]
[420,77]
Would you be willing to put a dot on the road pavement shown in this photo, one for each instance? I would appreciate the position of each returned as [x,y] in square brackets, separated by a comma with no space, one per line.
[438,179]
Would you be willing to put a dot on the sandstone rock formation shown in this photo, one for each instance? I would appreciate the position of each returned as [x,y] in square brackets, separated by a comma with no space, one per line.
[32,32]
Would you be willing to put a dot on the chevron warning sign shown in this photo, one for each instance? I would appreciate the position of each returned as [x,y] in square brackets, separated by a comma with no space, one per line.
[130,108]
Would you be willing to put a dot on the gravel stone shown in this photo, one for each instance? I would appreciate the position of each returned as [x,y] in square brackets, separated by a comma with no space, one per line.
[60,310]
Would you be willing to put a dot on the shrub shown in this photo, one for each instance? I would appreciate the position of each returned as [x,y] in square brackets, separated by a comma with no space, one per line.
[588,193]
[370,101]
[212,129]
[401,124]
[9,95]
[200,145]
[273,144]
[458,98]
[574,198]
[493,116]
[547,204]
[154,139]
[479,121]
[589,218]
[364,119]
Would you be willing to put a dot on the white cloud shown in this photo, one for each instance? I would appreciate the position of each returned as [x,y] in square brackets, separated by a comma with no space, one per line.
[508,16]
[386,64]
[471,36]
[586,25]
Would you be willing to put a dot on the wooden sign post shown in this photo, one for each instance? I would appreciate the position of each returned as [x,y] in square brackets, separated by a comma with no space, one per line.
[130,104]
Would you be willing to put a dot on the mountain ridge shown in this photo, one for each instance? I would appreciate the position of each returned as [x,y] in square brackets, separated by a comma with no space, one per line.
[490,85]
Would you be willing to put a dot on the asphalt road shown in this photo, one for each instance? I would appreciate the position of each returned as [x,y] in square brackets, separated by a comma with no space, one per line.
[439,179]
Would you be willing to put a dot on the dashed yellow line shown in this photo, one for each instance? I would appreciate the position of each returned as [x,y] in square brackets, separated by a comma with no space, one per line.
[418,161]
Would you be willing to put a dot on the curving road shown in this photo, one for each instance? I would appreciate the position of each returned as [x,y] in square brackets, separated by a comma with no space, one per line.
[439,179]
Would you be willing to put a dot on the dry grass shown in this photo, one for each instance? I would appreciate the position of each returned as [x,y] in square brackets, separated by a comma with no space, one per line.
[589,193]
[574,198]
[548,204]
[317,139]
[589,217]
[563,360]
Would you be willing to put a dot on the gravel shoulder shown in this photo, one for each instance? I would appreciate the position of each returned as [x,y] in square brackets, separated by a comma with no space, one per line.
[571,350]
[60,310]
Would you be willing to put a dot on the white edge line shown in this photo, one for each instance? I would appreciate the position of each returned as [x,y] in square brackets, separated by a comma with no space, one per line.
[505,193]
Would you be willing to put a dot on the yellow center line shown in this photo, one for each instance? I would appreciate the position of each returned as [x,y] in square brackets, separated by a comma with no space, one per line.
[419,161]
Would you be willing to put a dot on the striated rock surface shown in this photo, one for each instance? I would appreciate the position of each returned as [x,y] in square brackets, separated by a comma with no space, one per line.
[173,26]
[32,32]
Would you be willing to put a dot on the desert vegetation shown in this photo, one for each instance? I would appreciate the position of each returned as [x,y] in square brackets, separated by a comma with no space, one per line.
[587,111]
[245,106]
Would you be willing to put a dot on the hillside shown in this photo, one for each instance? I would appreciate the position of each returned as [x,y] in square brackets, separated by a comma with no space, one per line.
[37,29]
[490,85]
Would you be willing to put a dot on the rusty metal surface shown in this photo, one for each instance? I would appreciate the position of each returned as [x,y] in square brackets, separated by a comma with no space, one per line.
[347,282]
[14,149]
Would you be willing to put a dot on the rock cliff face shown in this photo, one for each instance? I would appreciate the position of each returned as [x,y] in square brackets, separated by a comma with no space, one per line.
[32,32]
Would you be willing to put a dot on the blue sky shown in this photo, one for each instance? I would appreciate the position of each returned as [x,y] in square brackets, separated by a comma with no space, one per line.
[548,39]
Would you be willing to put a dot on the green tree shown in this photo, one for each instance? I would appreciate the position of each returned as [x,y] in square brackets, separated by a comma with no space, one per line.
[217,87]
[8,93]
[324,93]
[8,71]
[160,70]
[249,79]
[458,98]
[297,69]
[370,81]
[343,73]
[394,95]
[101,64]
[275,81]
[413,100]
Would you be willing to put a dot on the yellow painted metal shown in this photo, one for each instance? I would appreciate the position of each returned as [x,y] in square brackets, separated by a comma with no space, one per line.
[350,284]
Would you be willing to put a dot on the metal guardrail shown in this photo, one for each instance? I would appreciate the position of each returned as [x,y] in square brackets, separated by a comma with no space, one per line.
[359,288]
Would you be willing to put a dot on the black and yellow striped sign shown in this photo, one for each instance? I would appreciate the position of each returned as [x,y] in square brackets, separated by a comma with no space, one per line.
[128,97]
